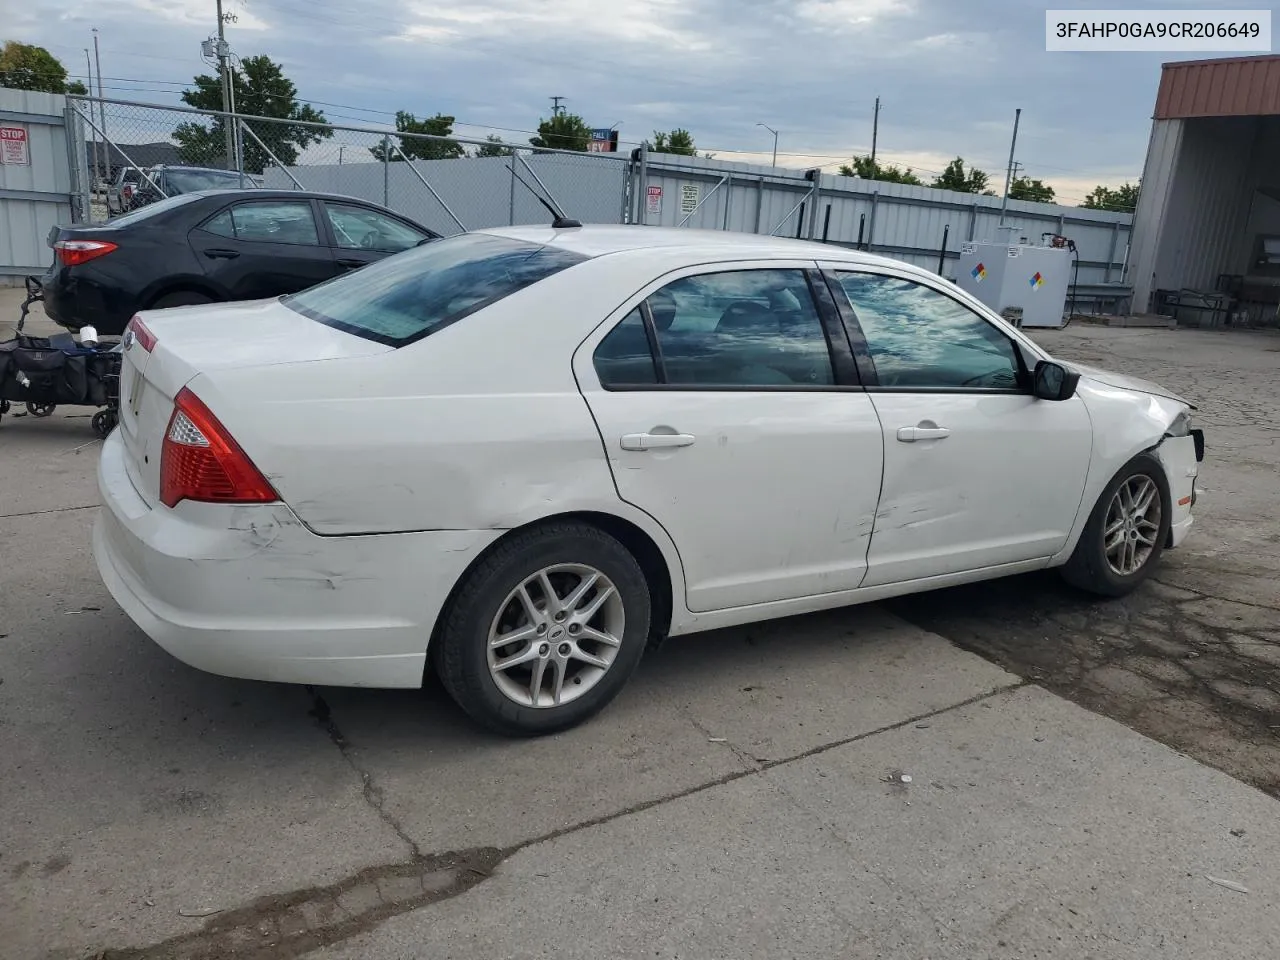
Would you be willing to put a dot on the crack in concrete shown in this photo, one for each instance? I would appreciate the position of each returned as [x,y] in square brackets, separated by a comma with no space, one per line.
[289,925]
[373,794]
[40,513]
[1213,596]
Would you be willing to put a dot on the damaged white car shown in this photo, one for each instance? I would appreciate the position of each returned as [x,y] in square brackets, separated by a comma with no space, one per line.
[517,456]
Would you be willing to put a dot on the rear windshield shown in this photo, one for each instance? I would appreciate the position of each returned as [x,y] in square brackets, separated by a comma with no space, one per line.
[412,294]
[151,209]
[185,181]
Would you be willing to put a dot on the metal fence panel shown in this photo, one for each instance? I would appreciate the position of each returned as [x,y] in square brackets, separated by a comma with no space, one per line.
[36,194]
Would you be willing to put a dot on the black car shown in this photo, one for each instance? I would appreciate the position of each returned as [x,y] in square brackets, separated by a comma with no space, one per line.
[211,246]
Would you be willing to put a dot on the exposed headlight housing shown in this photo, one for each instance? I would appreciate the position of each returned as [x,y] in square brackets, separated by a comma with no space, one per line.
[1181,426]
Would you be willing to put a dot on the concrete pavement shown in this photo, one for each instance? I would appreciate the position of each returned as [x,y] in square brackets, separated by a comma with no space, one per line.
[744,797]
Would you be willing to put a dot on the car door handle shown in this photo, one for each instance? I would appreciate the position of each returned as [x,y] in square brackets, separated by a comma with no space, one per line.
[655,441]
[912,434]
[351,264]
[219,254]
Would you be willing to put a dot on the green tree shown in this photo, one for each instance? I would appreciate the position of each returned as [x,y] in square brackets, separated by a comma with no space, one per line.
[416,148]
[678,141]
[77,88]
[563,131]
[955,177]
[1024,188]
[262,90]
[493,147]
[868,169]
[25,66]
[1123,199]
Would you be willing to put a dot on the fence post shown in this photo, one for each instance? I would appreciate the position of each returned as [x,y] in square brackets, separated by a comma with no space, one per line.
[728,199]
[644,184]
[942,254]
[871,227]
[78,165]
[386,170]
[511,200]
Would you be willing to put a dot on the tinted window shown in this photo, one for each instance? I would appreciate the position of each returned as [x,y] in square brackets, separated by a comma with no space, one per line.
[623,357]
[221,225]
[743,328]
[283,221]
[150,210]
[919,337]
[358,228]
[402,299]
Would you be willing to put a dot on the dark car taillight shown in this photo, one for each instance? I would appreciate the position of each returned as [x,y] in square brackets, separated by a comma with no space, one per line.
[71,253]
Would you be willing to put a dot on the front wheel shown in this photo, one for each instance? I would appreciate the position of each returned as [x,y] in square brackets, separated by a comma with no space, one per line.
[1122,542]
[545,631]
[41,409]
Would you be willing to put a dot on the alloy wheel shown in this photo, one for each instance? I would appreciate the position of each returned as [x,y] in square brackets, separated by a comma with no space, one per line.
[1132,525]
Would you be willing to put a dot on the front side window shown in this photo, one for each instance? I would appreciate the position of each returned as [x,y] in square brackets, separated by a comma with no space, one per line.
[405,298]
[283,221]
[737,328]
[357,228]
[921,338]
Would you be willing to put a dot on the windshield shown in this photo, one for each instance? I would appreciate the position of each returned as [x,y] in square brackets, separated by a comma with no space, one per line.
[150,210]
[408,296]
[185,181]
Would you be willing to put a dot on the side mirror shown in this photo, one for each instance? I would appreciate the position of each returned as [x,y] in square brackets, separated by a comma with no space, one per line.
[1053,381]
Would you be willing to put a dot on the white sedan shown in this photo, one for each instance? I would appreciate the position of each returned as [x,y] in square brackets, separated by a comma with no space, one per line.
[517,456]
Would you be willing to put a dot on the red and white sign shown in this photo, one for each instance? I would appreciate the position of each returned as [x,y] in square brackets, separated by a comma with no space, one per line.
[653,200]
[13,145]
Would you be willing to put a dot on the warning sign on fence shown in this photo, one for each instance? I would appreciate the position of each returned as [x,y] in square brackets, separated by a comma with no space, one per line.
[13,145]
[653,201]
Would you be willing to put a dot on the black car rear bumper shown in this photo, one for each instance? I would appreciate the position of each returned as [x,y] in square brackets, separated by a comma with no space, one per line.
[73,302]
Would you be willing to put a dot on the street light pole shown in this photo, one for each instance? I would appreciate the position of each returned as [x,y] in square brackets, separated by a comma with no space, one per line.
[775,141]
[102,107]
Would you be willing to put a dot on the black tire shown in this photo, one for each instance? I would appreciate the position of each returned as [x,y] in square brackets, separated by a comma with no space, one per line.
[41,409]
[103,422]
[461,657]
[1088,568]
[181,298]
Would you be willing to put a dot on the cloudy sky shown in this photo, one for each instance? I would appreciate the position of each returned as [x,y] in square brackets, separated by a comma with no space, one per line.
[949,72]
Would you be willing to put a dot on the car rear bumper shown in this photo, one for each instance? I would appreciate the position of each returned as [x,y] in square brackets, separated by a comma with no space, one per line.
[73,301]
[248,591]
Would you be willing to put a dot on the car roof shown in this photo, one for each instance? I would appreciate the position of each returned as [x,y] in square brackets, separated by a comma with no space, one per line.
[596,241]
[270,193]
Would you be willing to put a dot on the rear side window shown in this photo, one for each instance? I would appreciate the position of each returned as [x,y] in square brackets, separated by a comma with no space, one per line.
[408,296]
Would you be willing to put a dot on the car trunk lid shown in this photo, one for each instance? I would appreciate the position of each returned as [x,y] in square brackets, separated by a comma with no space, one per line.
[189,341]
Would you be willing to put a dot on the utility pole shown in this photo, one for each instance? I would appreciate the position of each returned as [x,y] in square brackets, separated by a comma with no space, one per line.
[556,108]
[97,151]
[775,141]
[228,122]
[1008,177]
[102,107]
[875,135]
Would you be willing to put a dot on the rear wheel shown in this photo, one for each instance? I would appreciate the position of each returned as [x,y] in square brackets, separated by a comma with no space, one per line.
[41,409]
[1122,542]
[181,298]
[545,631]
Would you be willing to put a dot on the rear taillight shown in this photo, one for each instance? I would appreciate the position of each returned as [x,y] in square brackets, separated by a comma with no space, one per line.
[141,333]
[200,460]
[71,253]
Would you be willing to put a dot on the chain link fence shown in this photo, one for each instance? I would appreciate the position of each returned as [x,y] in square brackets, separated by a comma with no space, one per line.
[450,184]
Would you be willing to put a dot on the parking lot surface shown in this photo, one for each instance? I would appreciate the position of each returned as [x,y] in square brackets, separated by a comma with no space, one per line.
[1004,770]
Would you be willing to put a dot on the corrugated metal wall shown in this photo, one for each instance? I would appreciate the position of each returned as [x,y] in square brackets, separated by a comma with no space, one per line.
[1222,87]
[481,191]
[1208,203]
[34,196]
[898,220]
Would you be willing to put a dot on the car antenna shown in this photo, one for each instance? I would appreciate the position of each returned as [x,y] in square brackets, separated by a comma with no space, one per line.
[561,221]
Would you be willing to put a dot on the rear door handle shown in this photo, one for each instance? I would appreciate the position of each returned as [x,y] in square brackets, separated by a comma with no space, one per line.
[655,441]
[218,254]
[912,434]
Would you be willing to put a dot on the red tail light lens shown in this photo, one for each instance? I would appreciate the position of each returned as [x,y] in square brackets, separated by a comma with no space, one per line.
[71,253]
[200,460]
[142,334]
